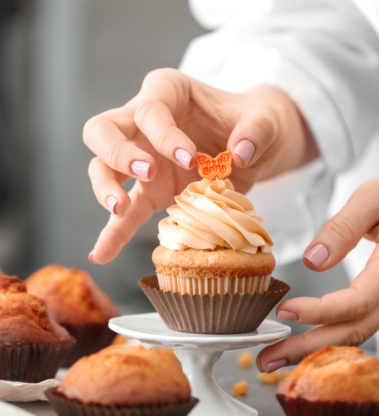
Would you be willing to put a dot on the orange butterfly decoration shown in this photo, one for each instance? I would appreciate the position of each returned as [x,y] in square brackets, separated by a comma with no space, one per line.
[220,166]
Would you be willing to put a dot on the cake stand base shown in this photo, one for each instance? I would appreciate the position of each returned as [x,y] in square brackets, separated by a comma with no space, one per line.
[198,353]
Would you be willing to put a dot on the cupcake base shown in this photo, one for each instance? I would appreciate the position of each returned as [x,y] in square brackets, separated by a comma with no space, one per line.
[221,285]
[90,338]
[32,363]
[301,407]
[217,314]
[67,407]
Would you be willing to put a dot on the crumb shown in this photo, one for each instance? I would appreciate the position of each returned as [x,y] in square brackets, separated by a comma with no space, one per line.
[272,378]
[240,388]
[286,373]
[119,340]
[245,359]
[170,352]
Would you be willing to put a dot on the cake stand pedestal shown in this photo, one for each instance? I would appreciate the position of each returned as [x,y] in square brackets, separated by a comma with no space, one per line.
[198,353]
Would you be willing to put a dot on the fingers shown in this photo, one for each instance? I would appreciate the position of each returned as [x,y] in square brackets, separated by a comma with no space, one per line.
[119,231]
[252,136]
[104,137]
[106,184]
[164,93]
[342,233]
[292,350]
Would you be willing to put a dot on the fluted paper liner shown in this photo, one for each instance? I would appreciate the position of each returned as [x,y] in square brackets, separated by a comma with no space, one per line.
[67,407]
[32,363]
[217,314]
[90,338]
[301,407]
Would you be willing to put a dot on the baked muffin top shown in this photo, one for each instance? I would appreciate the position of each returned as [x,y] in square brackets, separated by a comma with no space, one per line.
[71,295]
[193,263]
[126,376]
[343,374]
[24,318]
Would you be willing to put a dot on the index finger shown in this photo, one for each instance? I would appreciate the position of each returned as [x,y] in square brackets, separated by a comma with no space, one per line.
[351,304]
[165,92]
[343,232]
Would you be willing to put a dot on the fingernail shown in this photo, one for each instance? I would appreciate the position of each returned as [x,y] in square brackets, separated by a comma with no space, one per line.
[140,169]
[90,257]
[271,367]
[245,149]
[112,204]
[287,316]
[317,255]
[183,157]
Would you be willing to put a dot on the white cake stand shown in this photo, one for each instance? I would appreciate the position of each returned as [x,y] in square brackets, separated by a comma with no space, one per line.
[198,353]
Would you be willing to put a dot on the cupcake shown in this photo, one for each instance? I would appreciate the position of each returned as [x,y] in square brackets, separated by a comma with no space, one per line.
[332,381]
[78,304]
[213,242]
[215,256]
[32,344]
[124,381]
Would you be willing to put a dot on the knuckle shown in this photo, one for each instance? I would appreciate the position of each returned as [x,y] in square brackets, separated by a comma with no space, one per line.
[356,337]
[141,113]
[343,227]
[267,125]
[88,129]
[165,73]
[114,156]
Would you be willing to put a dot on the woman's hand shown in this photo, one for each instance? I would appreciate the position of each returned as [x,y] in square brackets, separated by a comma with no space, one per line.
[155,136]
[349,316]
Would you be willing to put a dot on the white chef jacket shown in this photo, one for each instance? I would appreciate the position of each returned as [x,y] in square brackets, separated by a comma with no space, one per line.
[325,55]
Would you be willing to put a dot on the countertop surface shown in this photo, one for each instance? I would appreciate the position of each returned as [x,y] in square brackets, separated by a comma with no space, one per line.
[226,372]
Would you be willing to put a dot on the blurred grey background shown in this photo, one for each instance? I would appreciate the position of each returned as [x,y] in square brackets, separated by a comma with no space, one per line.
[62,62]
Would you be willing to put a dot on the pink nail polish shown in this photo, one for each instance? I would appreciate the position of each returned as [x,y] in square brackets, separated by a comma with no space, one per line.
[287,316]
[245,149]
[90,257]
[271,367]
[317,255]
[140,169]
[112,204]
[183,157]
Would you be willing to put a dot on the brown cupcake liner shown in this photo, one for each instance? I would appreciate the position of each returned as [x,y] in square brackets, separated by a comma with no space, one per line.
[67,407]
[32,363]
[301,407]
[217,314]
[90,338]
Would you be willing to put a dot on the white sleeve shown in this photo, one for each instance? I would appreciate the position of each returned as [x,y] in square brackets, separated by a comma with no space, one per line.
[325,55]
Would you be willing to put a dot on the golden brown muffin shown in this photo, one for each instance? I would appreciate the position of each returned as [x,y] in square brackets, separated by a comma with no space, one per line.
[124,378]
[32,344]
[342,376]
[219,271]
[78,304]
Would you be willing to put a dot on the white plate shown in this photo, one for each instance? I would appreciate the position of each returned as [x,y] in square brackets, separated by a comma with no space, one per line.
[150,328]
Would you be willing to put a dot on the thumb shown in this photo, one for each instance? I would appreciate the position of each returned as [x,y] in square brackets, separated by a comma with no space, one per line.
[343,232]
[251,137]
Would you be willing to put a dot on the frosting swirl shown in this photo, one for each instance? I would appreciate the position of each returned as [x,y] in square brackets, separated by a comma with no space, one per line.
[210,214]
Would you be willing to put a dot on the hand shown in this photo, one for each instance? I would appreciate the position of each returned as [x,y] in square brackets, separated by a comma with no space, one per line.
[155,136]
[346,317]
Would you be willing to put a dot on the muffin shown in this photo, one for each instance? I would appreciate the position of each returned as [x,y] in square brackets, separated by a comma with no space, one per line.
[332,381]
[32,344]
[78,304]
[124,381]
[214,263]
[213,242]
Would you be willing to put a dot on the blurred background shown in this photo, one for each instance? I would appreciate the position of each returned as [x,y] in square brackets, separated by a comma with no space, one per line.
[62,62]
